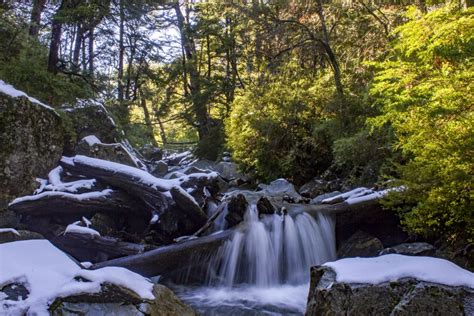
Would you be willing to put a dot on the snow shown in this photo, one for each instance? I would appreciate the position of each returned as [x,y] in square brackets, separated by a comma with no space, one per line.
[137,174]
[359,195]
[92,140]
[14,93]
[54,183]
[78,197]
[9,230]
[49,273]
[75,228]
[394,267]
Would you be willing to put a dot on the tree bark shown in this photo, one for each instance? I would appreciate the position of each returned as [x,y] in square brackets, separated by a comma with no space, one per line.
[168,259]
[60,203]
[121,51]
[90,248]
[56,32]
[35,20]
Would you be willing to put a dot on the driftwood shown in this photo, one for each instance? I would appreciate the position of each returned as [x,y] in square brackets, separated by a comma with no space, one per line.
[188,206]
[60,203]
[92,248]
[170,258]
[153,196]
[211,220]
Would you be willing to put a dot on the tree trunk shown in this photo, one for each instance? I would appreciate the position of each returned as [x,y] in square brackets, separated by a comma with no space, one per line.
[121,52]
[35,20]
[77,47]
[329,52]
[148,122]
[91,51]
[56,32]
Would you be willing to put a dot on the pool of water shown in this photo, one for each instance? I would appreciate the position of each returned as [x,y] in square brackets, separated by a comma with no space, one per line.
[246,299]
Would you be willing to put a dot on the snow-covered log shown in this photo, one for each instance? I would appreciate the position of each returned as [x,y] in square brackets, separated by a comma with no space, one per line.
[93,248]
[170,258]
[62,203]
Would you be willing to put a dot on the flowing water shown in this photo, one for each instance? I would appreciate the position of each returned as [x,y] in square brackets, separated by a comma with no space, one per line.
[264,268]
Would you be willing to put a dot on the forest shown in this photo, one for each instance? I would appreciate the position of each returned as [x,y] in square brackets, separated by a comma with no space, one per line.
[368,93]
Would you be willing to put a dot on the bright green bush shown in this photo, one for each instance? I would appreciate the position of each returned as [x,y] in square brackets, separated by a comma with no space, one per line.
[276,129]
[425,92]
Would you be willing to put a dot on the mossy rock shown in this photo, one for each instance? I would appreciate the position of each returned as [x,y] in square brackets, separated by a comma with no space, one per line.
[32,138]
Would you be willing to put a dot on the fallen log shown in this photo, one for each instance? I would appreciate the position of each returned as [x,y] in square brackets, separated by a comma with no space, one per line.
[93,248]
[170,258]
[62,203]
[135,181]
[211,220]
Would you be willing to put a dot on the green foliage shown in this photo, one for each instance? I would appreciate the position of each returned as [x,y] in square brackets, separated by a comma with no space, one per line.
[276,129]
[425,93]
[23,64]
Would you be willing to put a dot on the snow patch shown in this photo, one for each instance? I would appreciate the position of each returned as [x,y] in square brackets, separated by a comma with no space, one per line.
[49,273]
[14,93]
[75,228]
[92,140]
[394,267]
[78,197]
[9,230]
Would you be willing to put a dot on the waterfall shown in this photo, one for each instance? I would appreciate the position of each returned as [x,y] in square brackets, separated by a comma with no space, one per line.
[273,249]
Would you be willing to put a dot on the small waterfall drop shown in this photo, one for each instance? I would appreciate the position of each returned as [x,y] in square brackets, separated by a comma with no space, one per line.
[263,269]
[275,249]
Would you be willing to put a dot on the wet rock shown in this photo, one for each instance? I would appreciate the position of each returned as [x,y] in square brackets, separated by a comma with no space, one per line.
[411,249]
[407,296]
[360,244]
[318,186]
[116,300]
[9,236]
[264,206]
[236,208]
[92,147]
[32,138]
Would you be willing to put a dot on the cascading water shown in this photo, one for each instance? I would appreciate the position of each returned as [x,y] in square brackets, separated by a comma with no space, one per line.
[264,268]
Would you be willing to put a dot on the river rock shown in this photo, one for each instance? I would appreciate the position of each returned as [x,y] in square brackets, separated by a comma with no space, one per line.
[360,244]
[411,249]
[407,296]
[236,208]
[318,186]
[116,300]
[32,137]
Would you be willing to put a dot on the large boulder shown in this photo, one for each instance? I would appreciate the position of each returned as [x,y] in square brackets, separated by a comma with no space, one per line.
[391,285]
[116,300]
[411,249]
[360,244]
[32,143]
[89,117]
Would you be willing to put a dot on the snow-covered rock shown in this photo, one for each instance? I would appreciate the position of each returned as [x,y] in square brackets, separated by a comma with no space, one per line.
[391,285]
[32,142]
[48,281]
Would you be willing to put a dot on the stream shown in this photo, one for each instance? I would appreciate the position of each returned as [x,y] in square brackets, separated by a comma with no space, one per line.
[264,269]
